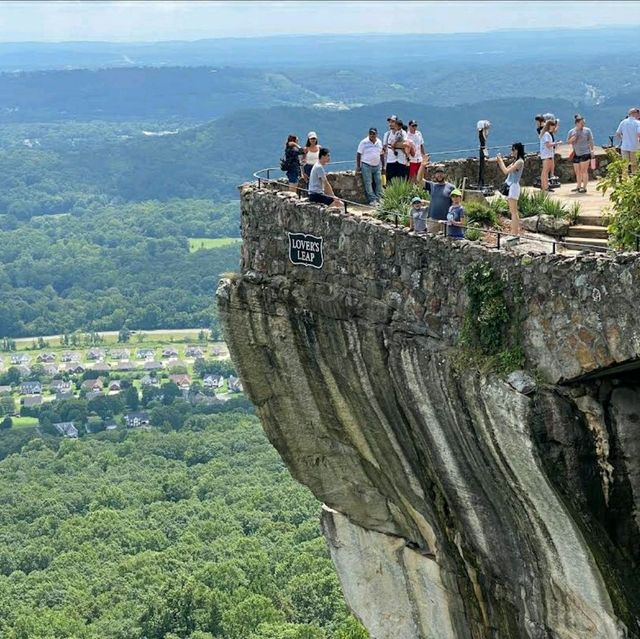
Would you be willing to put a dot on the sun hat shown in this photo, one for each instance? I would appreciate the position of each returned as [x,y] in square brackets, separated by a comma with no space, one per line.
[392,118]
[416,199]
[312,134]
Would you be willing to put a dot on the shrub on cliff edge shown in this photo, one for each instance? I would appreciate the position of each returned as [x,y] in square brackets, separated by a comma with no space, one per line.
[624,193]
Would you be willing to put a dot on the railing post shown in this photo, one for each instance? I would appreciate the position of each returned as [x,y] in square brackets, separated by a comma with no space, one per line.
[444,229]
[396,220]
[637,243]
[553,248]
[498,235]
[268,172]
[345,206]
[259,183]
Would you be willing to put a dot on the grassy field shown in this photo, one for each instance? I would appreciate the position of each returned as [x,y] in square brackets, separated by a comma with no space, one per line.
[137,339]
[24,422]
[198,243]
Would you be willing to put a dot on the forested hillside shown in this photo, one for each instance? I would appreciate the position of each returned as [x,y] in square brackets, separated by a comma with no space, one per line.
[107,266]
[197,534]
[55,173]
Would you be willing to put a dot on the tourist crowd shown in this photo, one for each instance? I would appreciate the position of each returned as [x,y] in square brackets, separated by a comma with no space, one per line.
[400,154]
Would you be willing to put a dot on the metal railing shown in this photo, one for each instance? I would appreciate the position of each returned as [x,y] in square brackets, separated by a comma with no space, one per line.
[595,248]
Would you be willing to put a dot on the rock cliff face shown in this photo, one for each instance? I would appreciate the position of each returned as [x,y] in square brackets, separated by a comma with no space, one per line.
[455,506]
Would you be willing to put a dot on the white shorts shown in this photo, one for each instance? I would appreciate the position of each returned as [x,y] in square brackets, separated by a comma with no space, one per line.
[514,191]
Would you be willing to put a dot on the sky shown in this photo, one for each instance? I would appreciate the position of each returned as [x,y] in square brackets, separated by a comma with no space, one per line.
[151,20]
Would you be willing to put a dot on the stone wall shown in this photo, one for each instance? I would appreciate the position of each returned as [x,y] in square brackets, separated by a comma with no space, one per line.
[580,311]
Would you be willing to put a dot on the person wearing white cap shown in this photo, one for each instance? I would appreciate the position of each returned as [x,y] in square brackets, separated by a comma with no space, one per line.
[312,151]
[629,132]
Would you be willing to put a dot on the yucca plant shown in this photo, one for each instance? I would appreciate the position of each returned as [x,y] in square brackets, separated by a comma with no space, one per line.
[539,203]
[396,199]
[530,204]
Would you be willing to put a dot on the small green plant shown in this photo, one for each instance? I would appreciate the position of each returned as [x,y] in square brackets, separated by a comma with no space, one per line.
[480,213]
[624,193]
[574,211]
[396,199]
[473,232]
[499,205]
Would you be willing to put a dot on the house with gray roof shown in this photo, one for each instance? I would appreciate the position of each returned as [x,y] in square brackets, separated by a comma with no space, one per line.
[66,429]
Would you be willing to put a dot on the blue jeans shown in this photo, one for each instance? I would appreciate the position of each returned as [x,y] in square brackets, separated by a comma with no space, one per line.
[372,179]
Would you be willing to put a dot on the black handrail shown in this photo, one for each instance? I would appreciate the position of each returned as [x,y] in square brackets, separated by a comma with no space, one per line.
[554,243]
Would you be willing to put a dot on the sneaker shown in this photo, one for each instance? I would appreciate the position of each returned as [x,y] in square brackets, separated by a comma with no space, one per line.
[582,190]
[576,190]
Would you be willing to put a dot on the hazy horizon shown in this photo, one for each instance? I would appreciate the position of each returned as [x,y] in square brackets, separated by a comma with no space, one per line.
[187,21]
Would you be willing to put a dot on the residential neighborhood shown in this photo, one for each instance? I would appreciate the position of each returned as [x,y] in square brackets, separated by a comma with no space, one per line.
[74,393]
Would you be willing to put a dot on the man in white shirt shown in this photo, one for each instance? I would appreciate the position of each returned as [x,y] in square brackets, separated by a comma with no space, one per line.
[629,132]
[369,159]
[395,147]
[415,137]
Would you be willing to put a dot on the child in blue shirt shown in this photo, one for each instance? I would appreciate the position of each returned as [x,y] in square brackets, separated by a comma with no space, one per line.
[455,216]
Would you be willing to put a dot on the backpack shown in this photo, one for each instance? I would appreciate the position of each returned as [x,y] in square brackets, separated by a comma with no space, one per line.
[284,164]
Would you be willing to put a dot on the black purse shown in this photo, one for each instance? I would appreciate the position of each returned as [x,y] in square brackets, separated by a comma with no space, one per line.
[504,189]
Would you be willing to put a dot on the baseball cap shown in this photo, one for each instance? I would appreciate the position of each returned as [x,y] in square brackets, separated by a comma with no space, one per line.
[312,134]
[392,118]
[373,130]
[633,110]
[456,192]
[413,123]
[416,199]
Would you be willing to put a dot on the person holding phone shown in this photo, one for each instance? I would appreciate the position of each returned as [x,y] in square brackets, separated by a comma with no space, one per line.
[514,174]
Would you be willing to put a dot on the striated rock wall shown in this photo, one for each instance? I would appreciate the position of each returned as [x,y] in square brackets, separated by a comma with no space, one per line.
[456,507]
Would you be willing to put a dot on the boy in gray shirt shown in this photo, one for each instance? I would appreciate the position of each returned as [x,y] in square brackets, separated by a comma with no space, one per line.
[418,215]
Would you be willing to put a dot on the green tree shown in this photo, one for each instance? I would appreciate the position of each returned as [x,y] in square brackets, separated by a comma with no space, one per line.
[131,398]
[6,423]
[124,334]
[7,404]
[245,617]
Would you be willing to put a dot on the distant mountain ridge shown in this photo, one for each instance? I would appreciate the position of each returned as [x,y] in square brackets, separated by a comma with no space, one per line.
[292,51]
